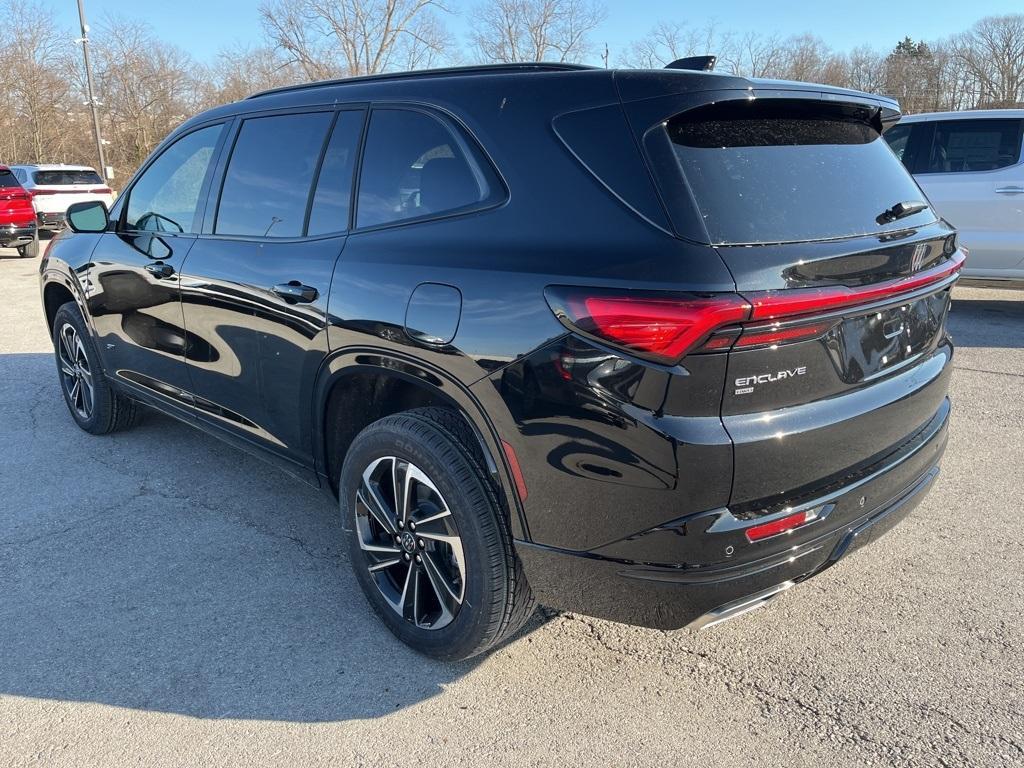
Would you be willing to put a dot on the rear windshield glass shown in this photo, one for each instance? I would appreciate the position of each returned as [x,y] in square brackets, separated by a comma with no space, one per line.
[47,178]
[7,179]
[776,171]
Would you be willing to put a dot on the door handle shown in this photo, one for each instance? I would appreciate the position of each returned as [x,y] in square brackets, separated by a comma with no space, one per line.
[160,270]
[1011,190]
[295,292]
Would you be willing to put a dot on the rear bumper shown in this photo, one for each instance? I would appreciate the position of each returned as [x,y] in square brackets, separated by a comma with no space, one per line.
[50,219]
[670,596]
[13,236]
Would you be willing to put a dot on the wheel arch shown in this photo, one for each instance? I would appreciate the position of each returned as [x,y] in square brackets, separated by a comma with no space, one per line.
[57,289]
[357,386]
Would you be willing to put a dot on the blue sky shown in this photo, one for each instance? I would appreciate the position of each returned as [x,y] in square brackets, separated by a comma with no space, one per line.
[202,27]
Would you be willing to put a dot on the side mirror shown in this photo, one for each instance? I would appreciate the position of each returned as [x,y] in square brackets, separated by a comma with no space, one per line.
[88,216]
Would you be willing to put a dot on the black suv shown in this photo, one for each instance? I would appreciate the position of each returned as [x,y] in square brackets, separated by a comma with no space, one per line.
[648,345]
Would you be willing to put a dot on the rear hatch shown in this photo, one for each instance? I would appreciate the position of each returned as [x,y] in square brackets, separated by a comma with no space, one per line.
[55,190]
[844,357]
[15,203]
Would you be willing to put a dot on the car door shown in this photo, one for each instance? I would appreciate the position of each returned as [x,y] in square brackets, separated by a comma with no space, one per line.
[132,285]
[255,289]
[973,175]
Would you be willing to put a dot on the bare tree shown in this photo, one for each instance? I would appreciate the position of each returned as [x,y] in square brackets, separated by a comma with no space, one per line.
[35,84]
[326,38]
[534,30]
[243,70]
[668,41]
[992,53]
[146,88]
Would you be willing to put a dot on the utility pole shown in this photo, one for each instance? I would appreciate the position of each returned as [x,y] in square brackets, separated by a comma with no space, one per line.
[605,56]
[89,91]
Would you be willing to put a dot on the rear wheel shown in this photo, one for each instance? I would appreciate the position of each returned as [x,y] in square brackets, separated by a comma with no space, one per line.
[29,250]
[93,403]
[428,540]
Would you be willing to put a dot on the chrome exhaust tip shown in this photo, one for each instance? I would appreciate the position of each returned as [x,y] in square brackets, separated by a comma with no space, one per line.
[739,607]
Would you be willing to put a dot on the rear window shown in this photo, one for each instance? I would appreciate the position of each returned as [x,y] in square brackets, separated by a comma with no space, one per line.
[777,171]
[7,179]
[55,178]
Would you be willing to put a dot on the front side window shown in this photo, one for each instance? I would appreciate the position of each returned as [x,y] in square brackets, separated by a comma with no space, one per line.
[963,146]
[270,174]
[166,196]
[415,166]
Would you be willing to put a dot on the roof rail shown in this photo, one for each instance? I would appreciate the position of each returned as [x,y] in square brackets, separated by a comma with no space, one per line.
[697,63]
[479,69]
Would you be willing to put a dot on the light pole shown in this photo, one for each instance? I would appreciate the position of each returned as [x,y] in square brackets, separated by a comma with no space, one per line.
[89,91]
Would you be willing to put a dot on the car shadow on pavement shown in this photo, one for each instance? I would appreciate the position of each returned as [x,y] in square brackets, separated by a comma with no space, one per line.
[159,569]
[976,320]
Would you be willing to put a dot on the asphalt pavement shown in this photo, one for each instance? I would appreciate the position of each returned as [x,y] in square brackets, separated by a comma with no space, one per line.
[167,600]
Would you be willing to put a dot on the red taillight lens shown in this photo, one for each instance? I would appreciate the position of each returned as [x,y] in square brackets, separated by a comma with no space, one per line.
[775,527]
[774,333]
[101,191]
[661,329]
[666,329]
[770,305]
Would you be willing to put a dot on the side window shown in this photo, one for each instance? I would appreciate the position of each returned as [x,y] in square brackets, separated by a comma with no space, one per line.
[269,176]
[166,196]
[897,137]
[415,166]
[962,146]
[329,212]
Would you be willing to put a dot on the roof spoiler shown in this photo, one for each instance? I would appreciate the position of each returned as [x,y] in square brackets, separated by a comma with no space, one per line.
[695,63]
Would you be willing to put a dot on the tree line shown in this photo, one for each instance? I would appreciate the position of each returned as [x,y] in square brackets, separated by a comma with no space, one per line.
[146,86]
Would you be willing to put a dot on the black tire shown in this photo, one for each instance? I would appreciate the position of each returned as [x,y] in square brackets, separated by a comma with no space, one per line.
[29,250]
[496,600]
[106,410]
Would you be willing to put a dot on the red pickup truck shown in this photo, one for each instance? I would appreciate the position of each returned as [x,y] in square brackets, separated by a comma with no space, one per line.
[17,216]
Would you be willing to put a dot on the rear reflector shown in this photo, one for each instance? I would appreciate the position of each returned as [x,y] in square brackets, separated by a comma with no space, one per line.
[770,305]
[517,471]
[782,525]
[660,329]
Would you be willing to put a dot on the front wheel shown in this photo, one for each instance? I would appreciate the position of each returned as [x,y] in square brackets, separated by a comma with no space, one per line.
[428,540]
[94,405]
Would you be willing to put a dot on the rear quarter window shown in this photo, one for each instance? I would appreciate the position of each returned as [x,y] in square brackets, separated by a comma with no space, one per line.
[8,179]
[780,170]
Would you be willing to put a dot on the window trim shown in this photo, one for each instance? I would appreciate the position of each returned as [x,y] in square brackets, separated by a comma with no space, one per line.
[118,224]
[931,128]
[462,135]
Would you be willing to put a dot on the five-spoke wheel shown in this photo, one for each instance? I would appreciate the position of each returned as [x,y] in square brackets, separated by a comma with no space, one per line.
[75,371]
[410,541]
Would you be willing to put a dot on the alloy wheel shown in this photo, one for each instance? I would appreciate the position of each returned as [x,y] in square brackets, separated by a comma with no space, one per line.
[410,541]
[75,371]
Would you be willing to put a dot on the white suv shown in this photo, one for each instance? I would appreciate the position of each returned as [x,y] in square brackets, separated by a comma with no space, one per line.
[970,166]
[55,187]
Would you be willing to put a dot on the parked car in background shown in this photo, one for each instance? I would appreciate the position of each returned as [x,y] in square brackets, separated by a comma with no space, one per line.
[971,167]
[651,346]
[17,216]
[55,187]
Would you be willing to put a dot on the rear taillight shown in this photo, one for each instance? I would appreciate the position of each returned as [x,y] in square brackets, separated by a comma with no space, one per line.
[666,329]
[102,191]
[771,305]
[660,329]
